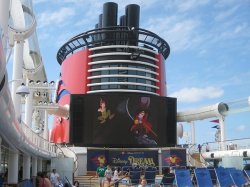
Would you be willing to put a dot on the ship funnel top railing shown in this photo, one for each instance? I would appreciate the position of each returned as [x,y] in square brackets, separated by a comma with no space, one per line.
[123,36]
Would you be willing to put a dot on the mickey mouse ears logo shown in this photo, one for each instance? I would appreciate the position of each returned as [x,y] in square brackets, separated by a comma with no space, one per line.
[100,159]
[173,160]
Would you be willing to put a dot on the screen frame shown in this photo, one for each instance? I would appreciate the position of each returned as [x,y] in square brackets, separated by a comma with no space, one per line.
[168,142]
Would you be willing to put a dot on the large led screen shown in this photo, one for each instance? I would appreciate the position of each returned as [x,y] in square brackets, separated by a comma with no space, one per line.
[122,120]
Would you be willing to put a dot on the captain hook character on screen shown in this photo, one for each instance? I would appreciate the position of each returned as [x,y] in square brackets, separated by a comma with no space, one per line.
[142,129]
[105,114]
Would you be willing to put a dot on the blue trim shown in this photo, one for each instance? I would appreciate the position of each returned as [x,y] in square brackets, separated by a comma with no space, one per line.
[61,94]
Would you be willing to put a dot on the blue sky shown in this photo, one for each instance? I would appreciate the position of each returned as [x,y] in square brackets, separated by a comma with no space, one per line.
[209,60]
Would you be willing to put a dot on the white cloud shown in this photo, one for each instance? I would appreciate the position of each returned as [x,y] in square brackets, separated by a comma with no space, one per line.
[43,36]
[52,18]
[180,33]
[241,128]
[225,3]
[197,94]
[226,14]
[189,5]
[240,27]
[39,1]
[62,38]
[202,52]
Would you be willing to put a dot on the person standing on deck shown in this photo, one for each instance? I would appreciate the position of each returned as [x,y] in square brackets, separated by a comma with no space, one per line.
[100,173]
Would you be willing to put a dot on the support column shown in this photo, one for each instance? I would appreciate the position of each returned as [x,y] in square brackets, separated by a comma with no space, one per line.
[193,132]
[17,76]
[26,167]
[34,166]
[29,109]
[12,168]
[177,139]
[39,165]
[222,133]
[160,160]
[46,131]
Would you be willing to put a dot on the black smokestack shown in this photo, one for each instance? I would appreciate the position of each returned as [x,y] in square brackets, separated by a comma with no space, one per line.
[99,36]
[96,35]
[132,21]
[133,15]
[100,21]
[123,21]
[109,14]
[109,19]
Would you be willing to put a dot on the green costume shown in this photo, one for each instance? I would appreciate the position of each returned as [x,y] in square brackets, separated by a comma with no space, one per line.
[104,116]
[101,171]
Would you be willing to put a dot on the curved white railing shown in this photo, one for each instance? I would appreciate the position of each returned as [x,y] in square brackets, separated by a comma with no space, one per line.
[123,76]
[18,135]
[122,83]
[122,90]
[135,62]
[40,144]
[123,47]
[124,68]
[122,53]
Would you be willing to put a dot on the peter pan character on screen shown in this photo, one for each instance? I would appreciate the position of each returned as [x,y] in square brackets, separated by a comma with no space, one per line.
[105,113]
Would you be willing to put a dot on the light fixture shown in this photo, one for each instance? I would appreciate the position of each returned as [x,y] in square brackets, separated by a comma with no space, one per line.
[45,83]
[52,83]
[38,82]
[44,95]
[31,82]
[40,102]
[45,102]
[23,90]
[37,94]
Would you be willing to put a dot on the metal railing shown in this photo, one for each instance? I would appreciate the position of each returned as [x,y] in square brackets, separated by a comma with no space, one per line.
[37,141]
[116,35]
[233,144]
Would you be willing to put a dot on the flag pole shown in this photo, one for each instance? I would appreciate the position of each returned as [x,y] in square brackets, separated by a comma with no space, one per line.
[192,124]
[222,132]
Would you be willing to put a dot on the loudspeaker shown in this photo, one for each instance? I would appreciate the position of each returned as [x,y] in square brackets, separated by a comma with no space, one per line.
[212,155]
[171,133]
